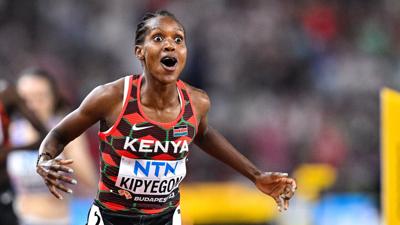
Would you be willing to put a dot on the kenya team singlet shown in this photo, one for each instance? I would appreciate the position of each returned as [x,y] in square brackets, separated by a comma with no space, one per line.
[143,161]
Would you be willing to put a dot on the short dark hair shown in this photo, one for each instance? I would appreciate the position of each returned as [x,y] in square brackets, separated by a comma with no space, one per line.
[141,28]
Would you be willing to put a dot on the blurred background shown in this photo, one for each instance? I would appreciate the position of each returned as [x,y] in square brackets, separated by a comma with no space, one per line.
[294,86]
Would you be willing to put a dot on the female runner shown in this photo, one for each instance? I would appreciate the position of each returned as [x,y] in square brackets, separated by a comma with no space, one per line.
[10,104]
[41,93]
[146,124]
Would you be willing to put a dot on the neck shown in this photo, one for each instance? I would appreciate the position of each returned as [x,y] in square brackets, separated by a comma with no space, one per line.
[156,94]
[44,118]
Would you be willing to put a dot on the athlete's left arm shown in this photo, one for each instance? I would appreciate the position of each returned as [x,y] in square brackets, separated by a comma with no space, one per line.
[277,185]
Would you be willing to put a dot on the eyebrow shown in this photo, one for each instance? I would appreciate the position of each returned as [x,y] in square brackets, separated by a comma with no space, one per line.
[155,28]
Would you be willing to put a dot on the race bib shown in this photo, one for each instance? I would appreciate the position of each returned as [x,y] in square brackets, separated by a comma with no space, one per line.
[150,177]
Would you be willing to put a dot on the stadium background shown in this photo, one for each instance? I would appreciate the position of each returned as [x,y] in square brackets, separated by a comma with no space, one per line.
[294,85]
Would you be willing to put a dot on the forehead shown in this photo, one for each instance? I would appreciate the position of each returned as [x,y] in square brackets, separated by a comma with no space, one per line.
[40,83]
[164,23]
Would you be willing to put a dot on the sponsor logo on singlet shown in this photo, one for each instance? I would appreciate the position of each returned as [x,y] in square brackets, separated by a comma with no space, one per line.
[150,177]
[136,128]
[155,145]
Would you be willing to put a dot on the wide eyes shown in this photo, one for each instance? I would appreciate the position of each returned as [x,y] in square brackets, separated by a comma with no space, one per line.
[178,40]
[160,38]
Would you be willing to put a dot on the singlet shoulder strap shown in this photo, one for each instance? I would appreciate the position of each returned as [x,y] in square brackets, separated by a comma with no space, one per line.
[188,98]
[125,100]
[127,83]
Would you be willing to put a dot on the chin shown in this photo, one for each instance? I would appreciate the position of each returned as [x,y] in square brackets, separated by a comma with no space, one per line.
[167,78]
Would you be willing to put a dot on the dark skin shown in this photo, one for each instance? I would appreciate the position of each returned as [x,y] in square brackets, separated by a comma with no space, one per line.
[12,102]
[160,102]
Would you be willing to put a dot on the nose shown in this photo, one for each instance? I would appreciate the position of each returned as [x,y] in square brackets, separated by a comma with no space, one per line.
[169,46]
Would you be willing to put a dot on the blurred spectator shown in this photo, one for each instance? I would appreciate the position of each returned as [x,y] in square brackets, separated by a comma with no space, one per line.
[11,103]
[42,96]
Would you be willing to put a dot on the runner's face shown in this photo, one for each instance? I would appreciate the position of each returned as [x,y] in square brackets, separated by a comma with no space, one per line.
[37,93]
[164,50]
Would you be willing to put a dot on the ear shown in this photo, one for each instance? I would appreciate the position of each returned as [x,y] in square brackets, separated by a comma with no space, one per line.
[139,52]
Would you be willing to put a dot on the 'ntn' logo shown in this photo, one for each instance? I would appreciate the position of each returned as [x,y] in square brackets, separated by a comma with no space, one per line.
[154,168]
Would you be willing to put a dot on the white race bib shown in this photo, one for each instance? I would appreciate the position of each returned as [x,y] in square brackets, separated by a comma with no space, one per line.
[150,177]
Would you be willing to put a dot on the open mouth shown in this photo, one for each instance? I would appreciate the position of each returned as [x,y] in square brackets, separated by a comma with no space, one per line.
[169,62]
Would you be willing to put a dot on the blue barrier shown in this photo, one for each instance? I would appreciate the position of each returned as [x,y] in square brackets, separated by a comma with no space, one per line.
[346,209]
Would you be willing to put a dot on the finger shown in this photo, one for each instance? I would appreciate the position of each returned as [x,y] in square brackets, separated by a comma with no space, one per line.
[45,165]
[60,186]
[52,175]
[288,192]
[64,161]
[282,188]
[286,203]
[67,179]
[291,183]
[62,168]
[286,180]
[277,190]
[41,171]
[53,190]
[294,185]
[280,203]
[277,195]
[277,201]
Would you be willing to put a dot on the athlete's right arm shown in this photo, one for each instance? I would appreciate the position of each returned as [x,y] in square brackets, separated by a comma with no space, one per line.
[95,107]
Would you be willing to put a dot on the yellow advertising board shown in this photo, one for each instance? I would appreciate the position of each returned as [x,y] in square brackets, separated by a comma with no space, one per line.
[225,203]
[390,156]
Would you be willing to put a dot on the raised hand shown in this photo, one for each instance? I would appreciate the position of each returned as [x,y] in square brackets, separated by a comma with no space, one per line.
[53,173]
[277,185]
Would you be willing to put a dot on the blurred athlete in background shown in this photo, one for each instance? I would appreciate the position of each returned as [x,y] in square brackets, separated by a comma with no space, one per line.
[10,104]
[146,124]
[34,205]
